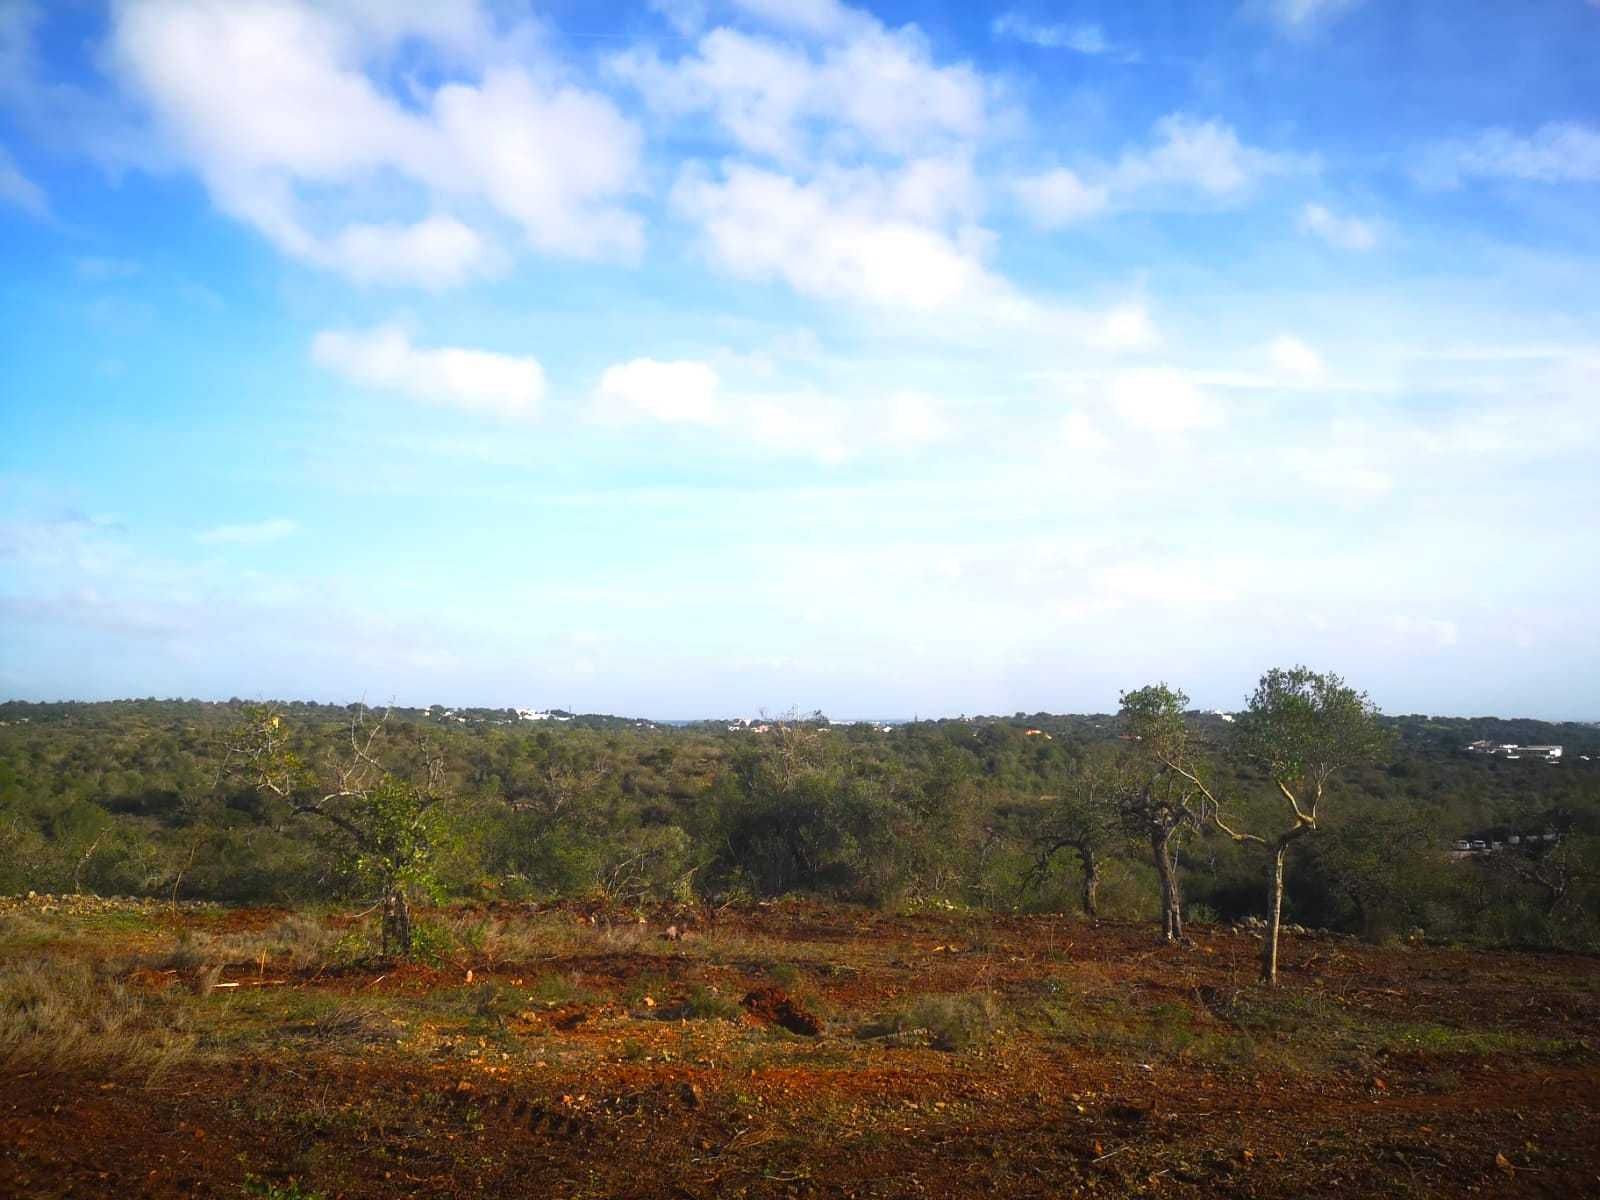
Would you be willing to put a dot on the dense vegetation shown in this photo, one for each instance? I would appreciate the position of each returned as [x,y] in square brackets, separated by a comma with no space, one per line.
[151,798]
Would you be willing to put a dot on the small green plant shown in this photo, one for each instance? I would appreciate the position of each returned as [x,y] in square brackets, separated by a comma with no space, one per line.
[254,1185]
[703,1004]
[431,943]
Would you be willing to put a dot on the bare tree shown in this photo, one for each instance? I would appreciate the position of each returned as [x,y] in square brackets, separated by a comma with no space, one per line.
[389,825]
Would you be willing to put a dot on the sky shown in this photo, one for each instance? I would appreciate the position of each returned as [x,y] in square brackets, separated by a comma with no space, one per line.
[699,357]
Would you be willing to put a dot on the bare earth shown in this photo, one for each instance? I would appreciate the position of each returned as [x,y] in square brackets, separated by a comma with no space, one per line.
[589,1054]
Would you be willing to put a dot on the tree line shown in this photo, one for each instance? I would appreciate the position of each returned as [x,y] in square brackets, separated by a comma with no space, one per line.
[1306,805]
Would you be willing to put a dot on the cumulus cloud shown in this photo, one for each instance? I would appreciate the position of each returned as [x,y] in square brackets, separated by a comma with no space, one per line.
[876,89]
[675,393]
[1162,400]
[859,234]
[1187,158]
[1060,197]
[251,534]
[274,105]
[1346,233]
[1557,152]
[384,358]
[18,190]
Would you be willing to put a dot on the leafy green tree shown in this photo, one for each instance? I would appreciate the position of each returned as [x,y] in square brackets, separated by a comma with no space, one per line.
[1304,729]
[1166,798]
[388,827]
[1084,816]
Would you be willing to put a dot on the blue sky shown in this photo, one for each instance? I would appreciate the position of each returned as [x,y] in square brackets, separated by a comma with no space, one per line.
[705,356]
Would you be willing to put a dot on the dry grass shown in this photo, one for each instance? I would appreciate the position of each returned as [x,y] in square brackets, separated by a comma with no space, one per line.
[64,1016]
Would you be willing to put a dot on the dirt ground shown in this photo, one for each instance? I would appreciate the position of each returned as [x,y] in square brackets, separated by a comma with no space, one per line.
[805,1050]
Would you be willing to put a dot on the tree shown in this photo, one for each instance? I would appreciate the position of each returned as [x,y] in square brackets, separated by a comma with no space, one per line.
[1304,729]
[1085,817]
[1168,797]
[388,826]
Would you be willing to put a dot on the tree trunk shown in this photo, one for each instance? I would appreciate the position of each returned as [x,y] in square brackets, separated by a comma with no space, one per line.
[396,924]
[1269,943]
[1091,883]
[1167,872]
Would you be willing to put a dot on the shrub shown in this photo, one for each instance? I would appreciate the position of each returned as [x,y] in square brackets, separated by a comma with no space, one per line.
[69,1016]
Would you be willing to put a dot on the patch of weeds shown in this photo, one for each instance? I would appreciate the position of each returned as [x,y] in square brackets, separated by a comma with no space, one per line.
[254,1185]
[562,989]
[353,946]
[352,1023]
[634,1051]
[639,987]
[431,943]
[703,1004]
[958,1022]
[785,975]
[1445,1039]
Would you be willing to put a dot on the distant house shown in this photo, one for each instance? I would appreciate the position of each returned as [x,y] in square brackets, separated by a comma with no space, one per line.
[1513,751]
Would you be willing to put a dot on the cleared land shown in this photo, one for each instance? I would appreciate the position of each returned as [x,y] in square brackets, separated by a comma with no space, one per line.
[147,1051]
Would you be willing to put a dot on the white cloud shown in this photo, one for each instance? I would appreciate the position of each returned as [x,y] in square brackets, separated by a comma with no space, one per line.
[806,423]
[687,17]
[475,380]
[1293,357]
[1162,400]
[1347,233]
[1558,152]
[1125,327]
[675,393]
[1060,197]
[913,420]
[280,110]
[18,190]
[1082,39]
[1079,433]
[876,88]
[816,18]
[855,235]
[550,157]
[437,252]
[1187,157]
[1203,155]
[252,534]
[1301,16]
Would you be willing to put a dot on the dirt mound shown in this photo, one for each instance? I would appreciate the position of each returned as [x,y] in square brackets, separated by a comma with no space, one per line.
[777,1007]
